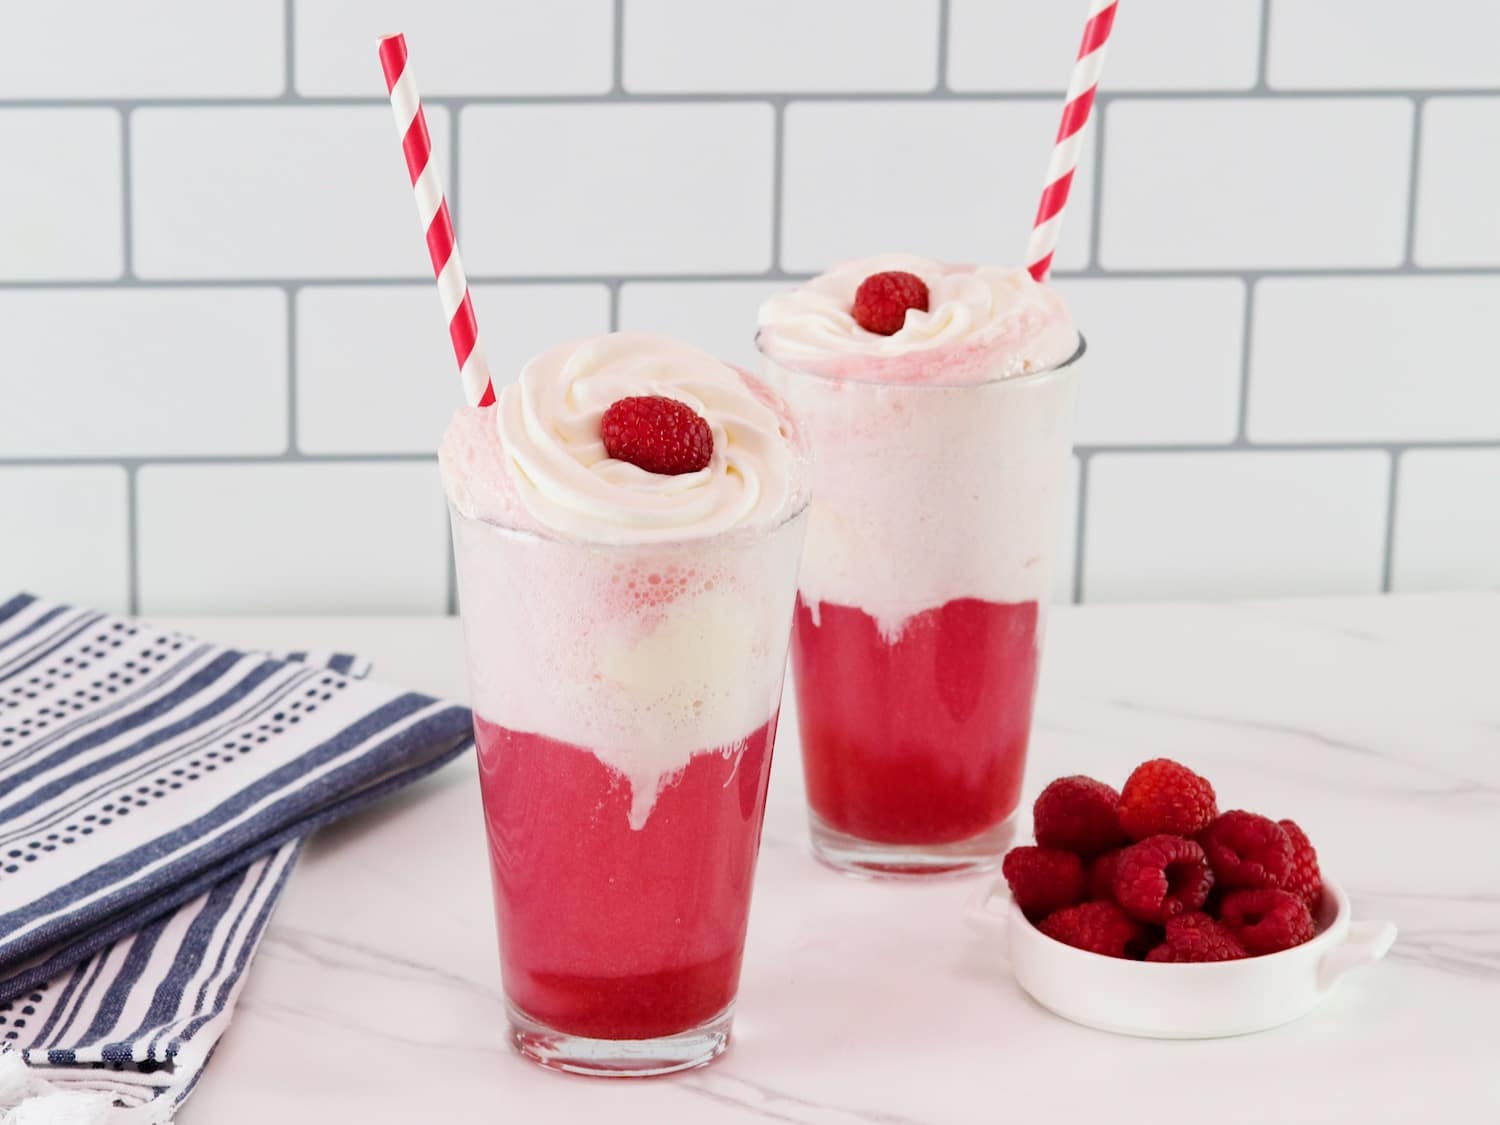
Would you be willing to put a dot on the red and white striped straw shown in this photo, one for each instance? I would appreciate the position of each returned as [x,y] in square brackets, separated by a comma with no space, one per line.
[432,210]
[1069,144]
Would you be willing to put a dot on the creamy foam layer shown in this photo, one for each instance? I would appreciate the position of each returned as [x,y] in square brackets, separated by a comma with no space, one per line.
[556,467]
[642,617]
[923,495]
[645,655]
[982,323]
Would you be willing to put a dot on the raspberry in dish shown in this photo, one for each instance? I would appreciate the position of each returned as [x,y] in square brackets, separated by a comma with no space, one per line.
[1161,877]
[1267,921]
[1097,927]
[1043,879]
[1165,798]
[1101,874]
[658,434]
[1080,815]
[1246,886]
[1197,937]
[1304,880]
[883,299]
[1247,851]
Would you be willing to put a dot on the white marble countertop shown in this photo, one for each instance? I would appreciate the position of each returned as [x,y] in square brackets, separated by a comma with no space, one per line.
[1374,722]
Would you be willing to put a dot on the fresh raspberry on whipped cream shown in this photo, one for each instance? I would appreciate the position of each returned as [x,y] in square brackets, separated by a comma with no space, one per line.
[883,299]
[977,323]
[658,434]
[724,453]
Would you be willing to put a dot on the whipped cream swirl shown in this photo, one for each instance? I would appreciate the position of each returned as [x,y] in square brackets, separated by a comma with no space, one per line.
[549,428]
[982,323]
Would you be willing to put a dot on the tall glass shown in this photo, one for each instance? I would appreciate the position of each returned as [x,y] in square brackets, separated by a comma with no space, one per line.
[625,706]
[935,515]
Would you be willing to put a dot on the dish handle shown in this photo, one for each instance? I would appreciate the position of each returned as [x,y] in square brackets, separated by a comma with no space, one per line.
[1366,943]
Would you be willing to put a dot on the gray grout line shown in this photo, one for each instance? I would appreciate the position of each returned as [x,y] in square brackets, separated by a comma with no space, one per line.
[127,219]
[1418,112]
[137,461]
[355,101]
[778,182]
[132,540]
[614,306]
[289,14]
[450,186]
[1096,203]
[1263,56]
[1388,559]
[776,274]
[617,48]
[945,19]
[1242,422]
[1089,449]
[1080,533]
[292,438]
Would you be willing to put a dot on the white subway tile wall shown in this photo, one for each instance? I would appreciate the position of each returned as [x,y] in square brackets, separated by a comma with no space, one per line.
[1447,519]
[1267,183]
[274,192]
[1458,220]
[1150,384]
[341,537]
[101,49]
[1374,359]
[1339,44]
[60,213]
[616,189]
[460,47]
[941,177]
[792,45]
[1015,45]
[163,372]
[1238,524]
[67,532]
[375,368]
[223,368]
[717,316]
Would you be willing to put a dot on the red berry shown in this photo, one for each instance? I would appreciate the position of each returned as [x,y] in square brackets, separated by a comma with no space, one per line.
[1101,875]
[1267,921]
[1078,814]
[1247,851]
[1043,879]
[1099,927]
[881,301]
[1305,880]
[1161,877]
[1162,798]
[1197,937]
[658,434]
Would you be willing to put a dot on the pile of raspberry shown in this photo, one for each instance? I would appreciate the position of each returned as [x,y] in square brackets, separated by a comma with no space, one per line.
[1155,872]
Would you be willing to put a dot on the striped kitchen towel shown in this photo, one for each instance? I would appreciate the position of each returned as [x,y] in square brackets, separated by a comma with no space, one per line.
[154,794]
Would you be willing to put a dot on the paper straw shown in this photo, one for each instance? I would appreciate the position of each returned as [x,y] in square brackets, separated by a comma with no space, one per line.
[1069,144]
[432,210]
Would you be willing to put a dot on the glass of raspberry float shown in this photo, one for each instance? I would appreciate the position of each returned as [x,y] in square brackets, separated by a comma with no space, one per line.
[938,403]
[627,520]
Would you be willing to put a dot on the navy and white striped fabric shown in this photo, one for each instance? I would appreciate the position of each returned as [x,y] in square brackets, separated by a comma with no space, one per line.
[154,793]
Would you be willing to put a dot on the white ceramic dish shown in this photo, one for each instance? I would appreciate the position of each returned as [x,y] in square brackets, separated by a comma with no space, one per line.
[1195,1001]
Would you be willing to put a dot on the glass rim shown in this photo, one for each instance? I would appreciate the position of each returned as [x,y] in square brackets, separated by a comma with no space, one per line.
[729,536]
[1011,380]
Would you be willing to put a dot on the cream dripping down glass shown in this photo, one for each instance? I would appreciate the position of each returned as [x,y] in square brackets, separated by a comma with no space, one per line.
[941,438]
[626,632]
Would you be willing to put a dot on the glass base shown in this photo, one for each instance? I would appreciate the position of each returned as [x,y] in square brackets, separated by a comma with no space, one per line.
[854,856]
[619,1058]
